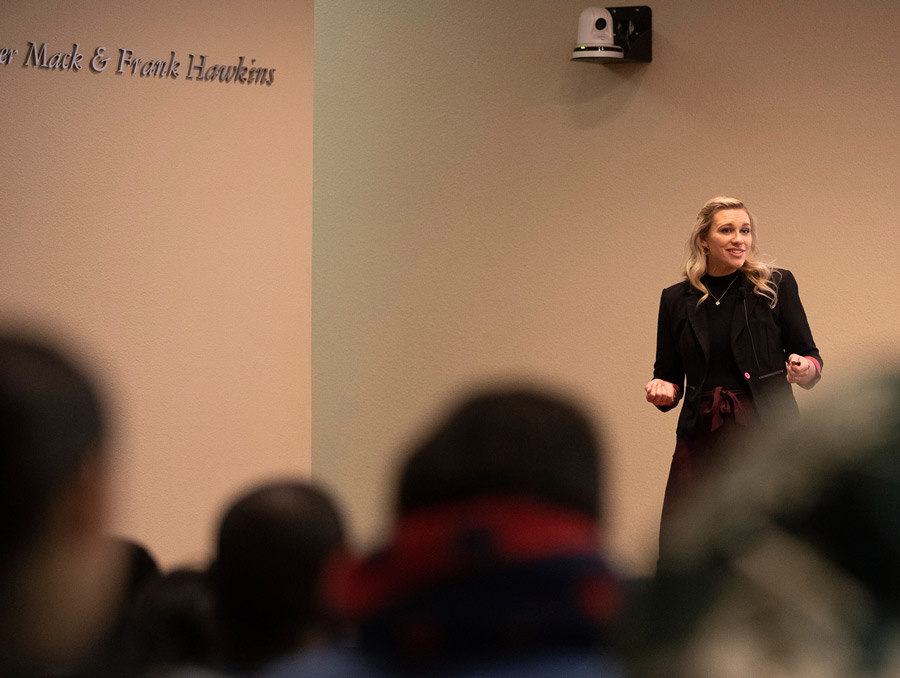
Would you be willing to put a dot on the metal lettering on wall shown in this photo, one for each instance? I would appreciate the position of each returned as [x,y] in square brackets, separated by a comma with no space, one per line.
[199,67]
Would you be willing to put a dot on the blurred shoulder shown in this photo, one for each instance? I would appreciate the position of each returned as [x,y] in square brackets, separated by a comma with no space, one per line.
[324,662]
[551,665]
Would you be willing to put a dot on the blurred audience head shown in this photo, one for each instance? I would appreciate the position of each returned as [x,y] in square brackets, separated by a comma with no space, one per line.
[59,576]
[494,558]
[273,543]
[173,623]
[520,442]
[140,565]
[788,562]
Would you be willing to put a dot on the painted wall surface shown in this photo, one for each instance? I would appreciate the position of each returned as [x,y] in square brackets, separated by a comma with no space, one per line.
[485,208]
[165,224]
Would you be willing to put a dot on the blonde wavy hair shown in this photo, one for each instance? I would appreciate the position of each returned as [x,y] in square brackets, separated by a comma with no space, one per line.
[759,273]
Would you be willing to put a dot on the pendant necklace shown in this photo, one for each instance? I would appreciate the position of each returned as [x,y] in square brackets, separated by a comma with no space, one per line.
[719,298]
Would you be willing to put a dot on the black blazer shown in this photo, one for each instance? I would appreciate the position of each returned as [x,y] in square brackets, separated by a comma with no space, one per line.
[682,346]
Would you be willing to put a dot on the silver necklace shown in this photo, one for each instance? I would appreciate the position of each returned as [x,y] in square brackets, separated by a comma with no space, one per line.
[719,298]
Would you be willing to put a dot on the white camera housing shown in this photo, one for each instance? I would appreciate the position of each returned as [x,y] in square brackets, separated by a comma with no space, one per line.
[596,36]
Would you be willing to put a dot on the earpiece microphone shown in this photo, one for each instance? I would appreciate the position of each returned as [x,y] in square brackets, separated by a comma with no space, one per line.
[752,345]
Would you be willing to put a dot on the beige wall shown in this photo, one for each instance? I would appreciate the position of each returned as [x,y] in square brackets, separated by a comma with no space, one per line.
[166,224]
[485,207]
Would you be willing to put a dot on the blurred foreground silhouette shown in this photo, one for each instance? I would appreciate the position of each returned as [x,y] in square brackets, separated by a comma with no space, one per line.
[788,561]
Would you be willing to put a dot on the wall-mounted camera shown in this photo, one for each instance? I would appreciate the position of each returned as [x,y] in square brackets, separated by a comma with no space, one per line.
[614,35]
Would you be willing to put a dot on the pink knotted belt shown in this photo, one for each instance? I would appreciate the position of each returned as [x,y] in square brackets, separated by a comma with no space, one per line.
[721,403]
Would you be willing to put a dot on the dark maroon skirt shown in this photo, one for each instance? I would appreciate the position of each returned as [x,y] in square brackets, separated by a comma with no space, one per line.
[725,415]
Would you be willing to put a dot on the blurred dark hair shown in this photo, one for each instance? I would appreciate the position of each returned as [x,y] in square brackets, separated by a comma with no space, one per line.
[519,441]
[50,419]
[141,566]
[173,622]
[273,543]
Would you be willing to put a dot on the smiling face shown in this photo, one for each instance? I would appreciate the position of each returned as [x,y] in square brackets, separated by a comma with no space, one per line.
[729,239]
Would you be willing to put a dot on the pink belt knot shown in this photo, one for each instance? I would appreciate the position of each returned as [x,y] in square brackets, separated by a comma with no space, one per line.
[721,403]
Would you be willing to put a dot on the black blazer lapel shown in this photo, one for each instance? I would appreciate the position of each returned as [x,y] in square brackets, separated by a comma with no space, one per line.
[744,310]
[697,318]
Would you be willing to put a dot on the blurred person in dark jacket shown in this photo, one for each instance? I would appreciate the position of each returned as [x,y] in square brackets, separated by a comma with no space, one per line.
[60,575]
